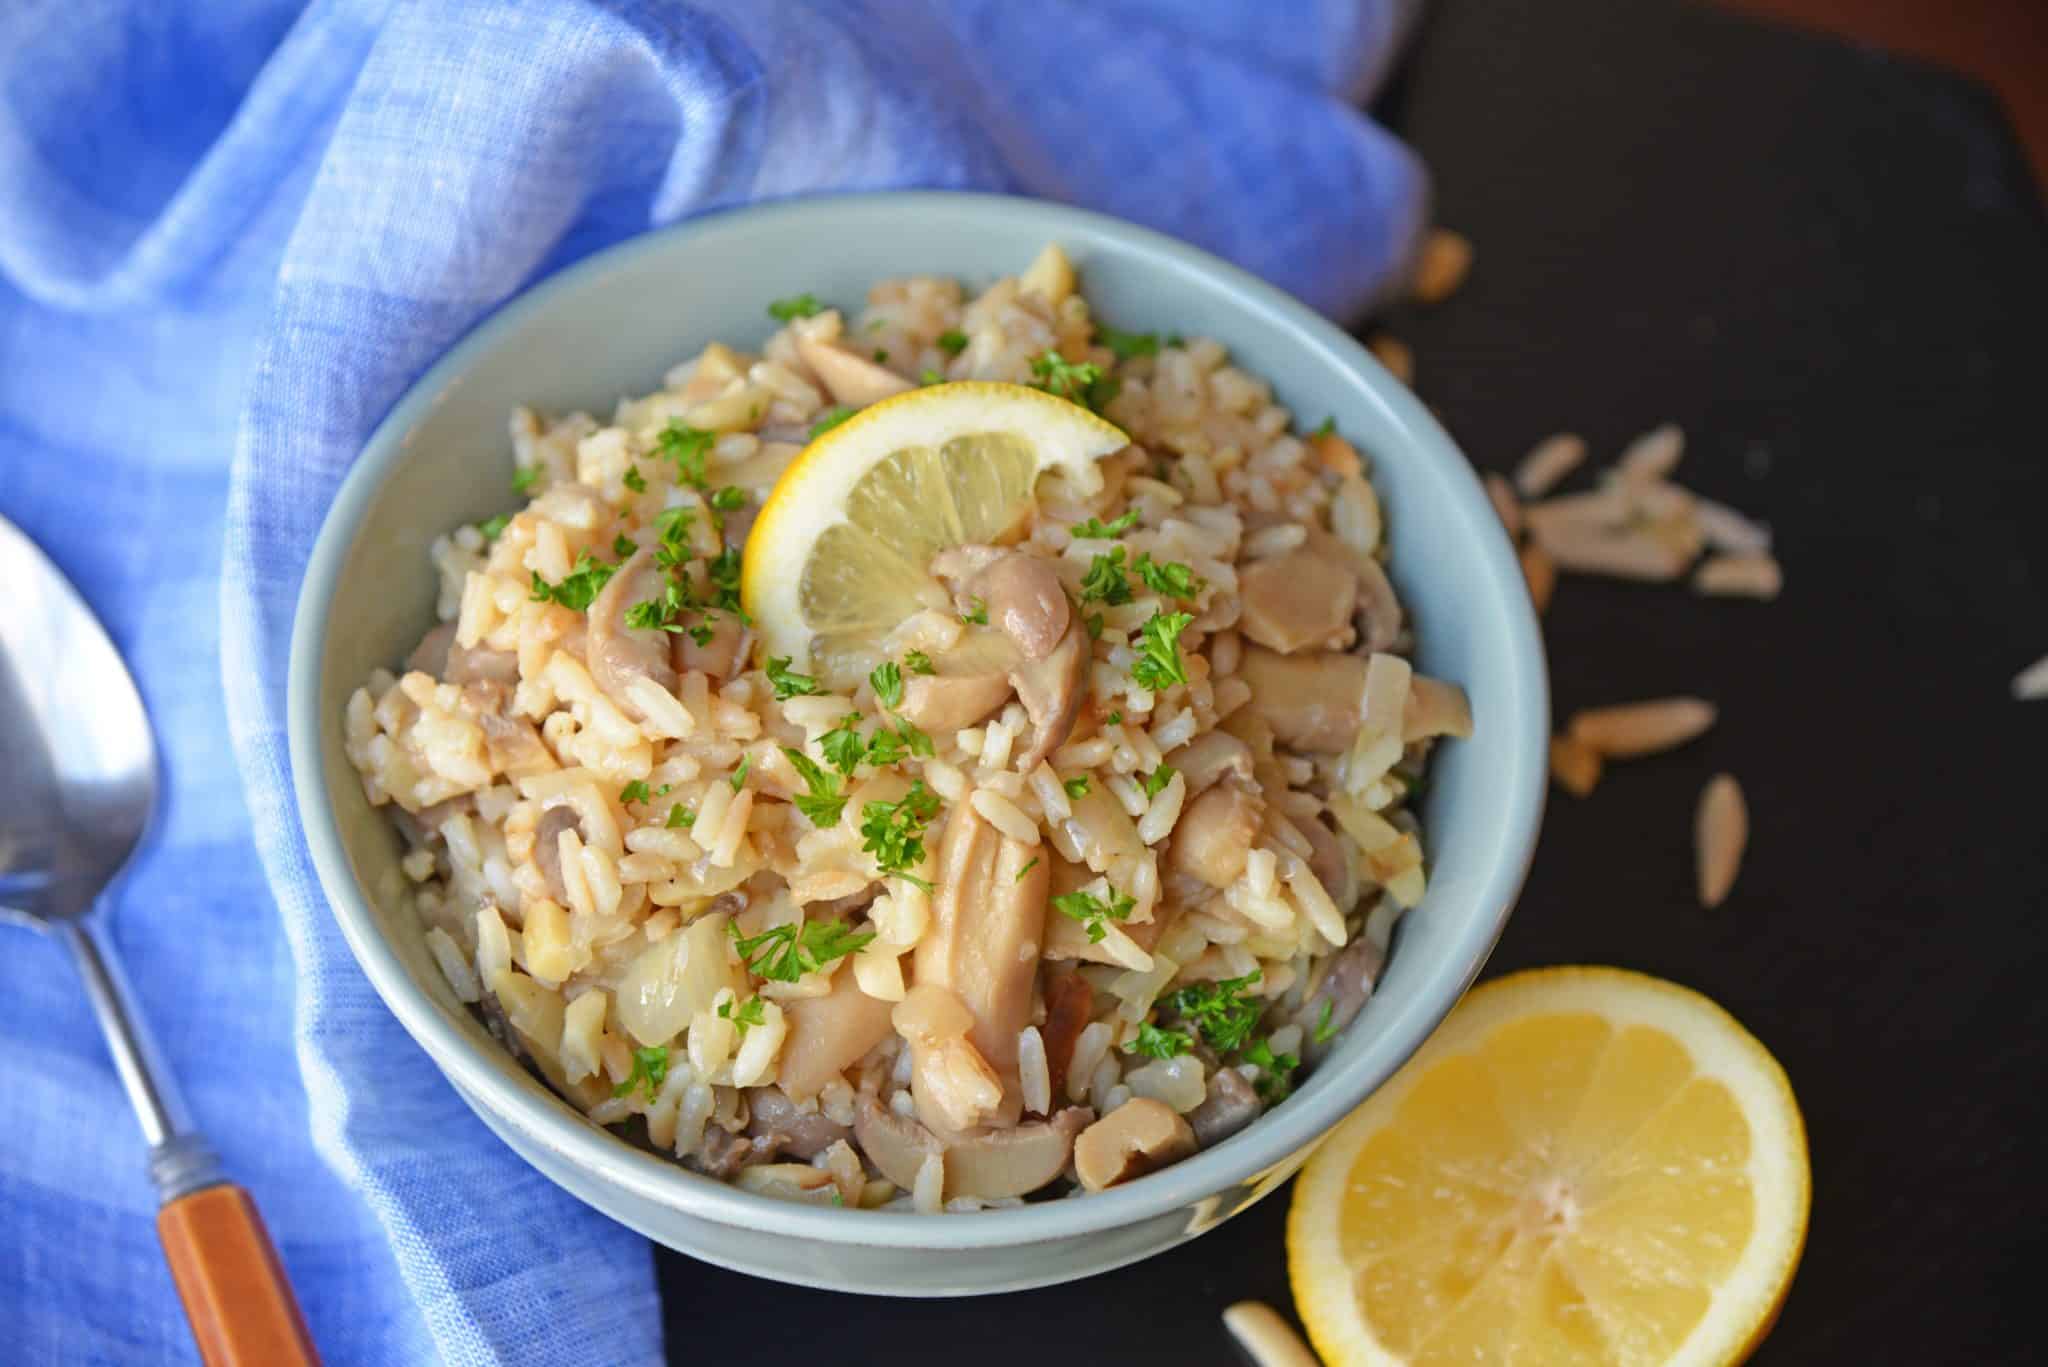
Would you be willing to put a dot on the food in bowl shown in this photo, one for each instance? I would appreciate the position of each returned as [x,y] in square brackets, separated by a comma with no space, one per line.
[956,754]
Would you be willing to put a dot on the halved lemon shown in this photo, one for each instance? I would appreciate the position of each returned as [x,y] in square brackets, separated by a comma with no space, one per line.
[838,557]
[1583,1166]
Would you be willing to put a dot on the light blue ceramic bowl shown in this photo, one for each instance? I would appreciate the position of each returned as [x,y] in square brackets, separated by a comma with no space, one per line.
[610,326]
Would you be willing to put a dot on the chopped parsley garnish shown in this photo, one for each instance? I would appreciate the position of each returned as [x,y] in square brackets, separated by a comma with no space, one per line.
[930,376]
[637,791]
[1156,781]
[795,307]
[785,953]
[1128,344]
[1026,869]
[881,354]
[579,589]
[1174,339]
[1093,622]
[887,680]
[634,480]
[830,419]
[739,775]
[952,341]
[1171,579]
[886,746]
[680,818]
[917,662]
[702,635]
[976,616]
[724,569]
[787,683]
[687,446]
[494,527]
[1113,719]
[893,832]
[730,499]
[1105,581]
[1223,1011]
[753,1011]
[1070,380]
[1093,530]
[524,478]
[1159,665]
[623,545]
[1076,787]
[1276,1081]
[1328,427]
[650,1070]
[672,529]
[1325,1030]
[1091,911]
[823,803]
[843,746]
[1153,1042]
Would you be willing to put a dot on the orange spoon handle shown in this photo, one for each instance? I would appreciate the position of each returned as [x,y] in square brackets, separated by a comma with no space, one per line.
[242,1310]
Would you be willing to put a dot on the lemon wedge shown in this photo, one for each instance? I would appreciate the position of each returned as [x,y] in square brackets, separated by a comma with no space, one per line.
[837,558]
[1583,1166]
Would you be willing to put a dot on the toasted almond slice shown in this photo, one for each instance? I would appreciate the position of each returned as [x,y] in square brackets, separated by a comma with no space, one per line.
[1720,832]
[1266,1338]
[1446,257]
[1606,509]
[2032,682]
[1505,504]
[1541,572]
[1653,455]
[1576,767]
[1394,354]
[1627,730]
[1739,576]
[1728,530]
[1641,555]
[1549,462]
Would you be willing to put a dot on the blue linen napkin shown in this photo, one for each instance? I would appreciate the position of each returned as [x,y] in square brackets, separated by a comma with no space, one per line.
[230,235]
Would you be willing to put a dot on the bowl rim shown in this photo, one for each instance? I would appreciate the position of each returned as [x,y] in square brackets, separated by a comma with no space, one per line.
[1323,1101]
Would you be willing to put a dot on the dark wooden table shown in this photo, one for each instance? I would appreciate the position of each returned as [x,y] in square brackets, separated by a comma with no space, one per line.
[1832,269]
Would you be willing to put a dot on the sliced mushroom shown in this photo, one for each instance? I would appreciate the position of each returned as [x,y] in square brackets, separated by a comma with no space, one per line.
[1379,610]
[617,653]
[991,1164]
[547,847]
[954,1085]
[723,653]
[721,1153]
[828,1035]
[1208,757]
[942,703]
[1301,600]
[987,928]
[1214,836]
[1231,1105]
[1051,690]
[430,656]
[514,745]
[1346,985]
[478,664]
[1024,598]
[799,1133]
[1330,862]
[1434,708]
[1069,1003]
[1138,1137]
[1312,702]
[848,378]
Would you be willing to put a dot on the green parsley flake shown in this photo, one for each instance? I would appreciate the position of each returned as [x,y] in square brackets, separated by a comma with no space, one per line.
[887,680]
[650,1070]
[952,341]
[1327,429]
[637,791]
[623,546]
[917,662]
[1156,781]
[1092,530]
[881,353]
[686,446]
[830,419]
[724,569]
[753,1011]
[786,952]
[1026,869]
[976,616]
[1276,1081]
[739,775]
[1325,1030]
[1223,1011]
[1113,719]
[524,478]
[930,376]
[1171,579]
[893,832]
[1128,344]
[579,589]
[844,749]
[1093,622]
[730,499]
[1159,665]
[634,480]
[795,307]
[1076,787]
[680,818]
[1091,911]
[787,683]
[494,527]
[1105,581]
[823,804]
[1069,380]
[1153,1042]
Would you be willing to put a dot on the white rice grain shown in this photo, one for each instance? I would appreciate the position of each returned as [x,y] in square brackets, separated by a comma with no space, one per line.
[1033,1072]
[925,1193]
[1163,811]
[1004,815]
[454,965]
[1089,1047]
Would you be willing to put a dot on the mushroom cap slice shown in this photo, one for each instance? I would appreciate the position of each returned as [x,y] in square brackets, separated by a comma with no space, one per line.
[848,378]
[1052,690]
[1301,600]
[1214,835]
[1138,1137]
[943,703]
[1313,702]
[990,1164]
[828,1034]
[617,653]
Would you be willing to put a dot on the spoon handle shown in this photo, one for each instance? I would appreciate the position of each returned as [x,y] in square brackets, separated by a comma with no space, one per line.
[233,1285]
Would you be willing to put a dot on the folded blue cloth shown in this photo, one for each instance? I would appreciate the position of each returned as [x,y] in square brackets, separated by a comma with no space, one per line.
[230,234]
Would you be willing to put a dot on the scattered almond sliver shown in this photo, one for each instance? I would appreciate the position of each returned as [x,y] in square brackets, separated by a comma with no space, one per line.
[1394,354]
[1505,504]
[1754,575]
[1548,463]
[1628,555]
[1576,767]
[1653,455]
[2032,682]
[1630,730]
[1541,572]
[1720,833]
[1266,1338]
[1446,258]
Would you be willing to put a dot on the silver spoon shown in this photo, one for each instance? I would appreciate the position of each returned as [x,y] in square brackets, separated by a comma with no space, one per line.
[81,768]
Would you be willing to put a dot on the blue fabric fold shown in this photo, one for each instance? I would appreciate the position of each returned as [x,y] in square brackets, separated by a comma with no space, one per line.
[230,235]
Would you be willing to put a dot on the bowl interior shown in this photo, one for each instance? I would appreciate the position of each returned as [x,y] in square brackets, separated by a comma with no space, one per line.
[612,325]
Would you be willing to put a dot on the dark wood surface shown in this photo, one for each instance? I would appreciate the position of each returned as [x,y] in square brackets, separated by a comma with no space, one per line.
[1831,268]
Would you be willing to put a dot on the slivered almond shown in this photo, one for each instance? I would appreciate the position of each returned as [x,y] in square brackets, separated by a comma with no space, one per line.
[1541,572]
[1720,833]
[1629,555]
[1728,530]
[1446,257]
[1505,504]
[1548,462]
[1605,509]
[1394,354]
[1576,767]
[2032,682]
[1653,455]
[1627,730]
[1739,576]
